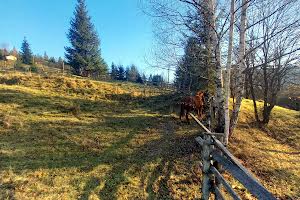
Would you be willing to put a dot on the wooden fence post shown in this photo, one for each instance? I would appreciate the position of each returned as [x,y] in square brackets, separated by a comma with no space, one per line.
[207,179]
[218,167]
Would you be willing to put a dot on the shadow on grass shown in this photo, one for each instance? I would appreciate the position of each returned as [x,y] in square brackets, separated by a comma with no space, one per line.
[87,144]
[90,185]
[285,176]
[282,152]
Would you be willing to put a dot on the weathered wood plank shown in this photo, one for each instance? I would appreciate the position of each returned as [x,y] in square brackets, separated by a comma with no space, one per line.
[226,185]
[218,193]
[200,141]
[206,181]
[232,165]
[227,153]
[242,175]
[198,122]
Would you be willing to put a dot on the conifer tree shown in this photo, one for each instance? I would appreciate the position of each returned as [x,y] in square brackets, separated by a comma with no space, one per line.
[114,71]
[191,71]
[127,74]
[133,73]
[121,73]
[139,79]
[45,57]
[84,54]
[144,78]
[26,54]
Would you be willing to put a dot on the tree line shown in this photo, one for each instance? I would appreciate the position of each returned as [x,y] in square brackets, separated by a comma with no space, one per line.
[26,57]
[132,74]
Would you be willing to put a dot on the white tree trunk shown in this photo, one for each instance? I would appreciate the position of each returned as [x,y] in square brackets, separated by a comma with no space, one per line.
[241,66]
[218,121]
[219,98]
[227,75]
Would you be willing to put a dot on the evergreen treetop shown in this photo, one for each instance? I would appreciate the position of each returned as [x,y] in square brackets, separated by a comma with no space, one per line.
[26,54]
[84,54]
[114,71]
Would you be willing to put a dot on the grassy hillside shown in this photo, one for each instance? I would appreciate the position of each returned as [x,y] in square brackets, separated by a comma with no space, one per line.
[73,138]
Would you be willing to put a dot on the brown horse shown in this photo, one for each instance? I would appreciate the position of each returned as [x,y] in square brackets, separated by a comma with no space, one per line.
[192,103]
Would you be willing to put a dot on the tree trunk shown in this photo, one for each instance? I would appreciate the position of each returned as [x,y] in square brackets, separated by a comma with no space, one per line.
[215,44]
[241,66]
[227,75]
[251,87]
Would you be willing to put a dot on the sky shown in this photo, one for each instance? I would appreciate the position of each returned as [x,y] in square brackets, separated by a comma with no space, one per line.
[124,30]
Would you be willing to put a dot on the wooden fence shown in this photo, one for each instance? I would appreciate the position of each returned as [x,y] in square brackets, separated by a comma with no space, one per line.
[215,156]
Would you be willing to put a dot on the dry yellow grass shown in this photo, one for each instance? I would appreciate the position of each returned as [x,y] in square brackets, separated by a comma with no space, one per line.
[73,138]
[272,154]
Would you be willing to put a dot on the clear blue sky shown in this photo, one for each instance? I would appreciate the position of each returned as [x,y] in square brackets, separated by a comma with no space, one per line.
[125,32]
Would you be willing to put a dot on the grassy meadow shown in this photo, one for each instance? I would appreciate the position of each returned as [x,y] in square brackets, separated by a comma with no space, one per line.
[74,138]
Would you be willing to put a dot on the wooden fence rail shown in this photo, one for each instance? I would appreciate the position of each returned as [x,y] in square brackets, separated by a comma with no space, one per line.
[214,156]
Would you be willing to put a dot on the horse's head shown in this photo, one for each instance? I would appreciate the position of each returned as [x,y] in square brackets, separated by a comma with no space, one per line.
[199,99]
[200,94]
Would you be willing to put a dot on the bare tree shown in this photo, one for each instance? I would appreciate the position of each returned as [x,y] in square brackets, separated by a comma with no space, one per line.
[228,69]
[176,22]
[273,46]
[241,66]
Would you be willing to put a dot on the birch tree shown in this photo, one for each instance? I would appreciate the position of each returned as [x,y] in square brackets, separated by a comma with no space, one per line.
[228,69]
[241,66]
[271,62]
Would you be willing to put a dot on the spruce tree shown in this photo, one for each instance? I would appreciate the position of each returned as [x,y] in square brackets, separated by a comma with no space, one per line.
[26,54]
[139,79]
[84,54]
[45,57]
[121,73]
[127,74]
[144,78]
[192,69]
[133,73]
[114,71]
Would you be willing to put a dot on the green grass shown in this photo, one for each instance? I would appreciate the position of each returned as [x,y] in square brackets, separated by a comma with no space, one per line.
[73,138]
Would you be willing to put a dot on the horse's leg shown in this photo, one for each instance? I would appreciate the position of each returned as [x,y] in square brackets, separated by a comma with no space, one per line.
[181,111]
[200,112]
[187,115]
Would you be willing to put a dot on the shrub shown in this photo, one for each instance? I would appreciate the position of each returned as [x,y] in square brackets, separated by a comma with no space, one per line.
[33,69]
[21,67]
[10,80]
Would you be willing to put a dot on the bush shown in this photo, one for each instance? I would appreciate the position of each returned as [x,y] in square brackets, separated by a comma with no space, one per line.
[33,69]
[20,66]
[10,80]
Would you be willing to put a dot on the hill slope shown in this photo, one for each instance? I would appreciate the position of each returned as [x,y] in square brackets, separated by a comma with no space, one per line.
[73,138]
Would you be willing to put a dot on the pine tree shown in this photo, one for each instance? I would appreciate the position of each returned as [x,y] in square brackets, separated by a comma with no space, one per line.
[133,73]
[121,73]
[52,60]
[139,79]
[84,54]
[150,78]
[157,80]
[26,54]
[45,57]
[144,78]
[191,71]
[127,74]
[114,72]
[2,54]
[60,60]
